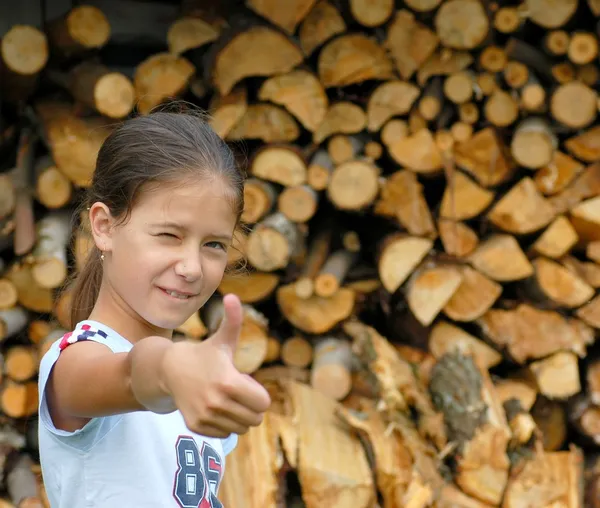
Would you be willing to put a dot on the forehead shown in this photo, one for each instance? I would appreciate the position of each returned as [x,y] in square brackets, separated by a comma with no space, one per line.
[191,205]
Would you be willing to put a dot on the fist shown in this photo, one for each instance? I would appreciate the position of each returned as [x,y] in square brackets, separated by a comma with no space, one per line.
[214,398]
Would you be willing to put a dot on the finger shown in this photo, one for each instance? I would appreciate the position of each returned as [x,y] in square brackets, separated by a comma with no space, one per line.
[250,393]
[210,431]
[231,325]
[223,424]
[241,414]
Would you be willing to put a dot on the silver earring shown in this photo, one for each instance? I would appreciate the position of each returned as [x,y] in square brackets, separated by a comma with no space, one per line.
[102,256]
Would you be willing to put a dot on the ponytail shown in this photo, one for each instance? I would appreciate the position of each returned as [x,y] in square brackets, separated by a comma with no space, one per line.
[85,287]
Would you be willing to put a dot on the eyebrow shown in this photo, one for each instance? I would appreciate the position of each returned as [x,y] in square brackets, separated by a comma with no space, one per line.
[181,227]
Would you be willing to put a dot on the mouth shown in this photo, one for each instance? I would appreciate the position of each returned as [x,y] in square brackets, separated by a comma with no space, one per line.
[178,295]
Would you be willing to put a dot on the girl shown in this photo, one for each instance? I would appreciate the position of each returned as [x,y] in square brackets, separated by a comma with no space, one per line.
[129,418]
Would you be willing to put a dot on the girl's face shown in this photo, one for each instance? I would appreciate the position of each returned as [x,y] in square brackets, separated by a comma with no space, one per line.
[165,262]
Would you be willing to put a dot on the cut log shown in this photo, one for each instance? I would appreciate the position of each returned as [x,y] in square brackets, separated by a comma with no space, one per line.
[52,188]
[297,352]
[463,198]
[353,185]
[342,117]
[227,110]
[319,170]
[557,376]
[316,257]
[490,255]
[530,333]
[252,288]
[417,152]
[589,272]
[188,33]
[574,104]
[301,93]
[333,363]
[507,20]
[585,145]
[31,295]
[398,256]
[484,157]
[410,42]
[74,141]
[286,18]
[193,327]
[266,122]
[583,48]
[547,14]
[322,23]
[241,57]
[429,290]
[259,199]
[8,294]
[533,143]
[282,164]
[298,203]
[12,321]
[20,363]
[81,29]
[461,24]
[446,338]
[558,174]
[389,99]
[315,315]
[557,239]
[546,479]
[585,218]
[273,242]
[457,238]
[501,109]
[50,267]
[590,314]
[353,58]
[474,296]
[522,210]
[557,286]
[402,196]
[371,13]
[333,272]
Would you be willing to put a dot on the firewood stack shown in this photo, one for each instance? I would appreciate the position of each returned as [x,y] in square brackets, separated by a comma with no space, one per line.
[423,240]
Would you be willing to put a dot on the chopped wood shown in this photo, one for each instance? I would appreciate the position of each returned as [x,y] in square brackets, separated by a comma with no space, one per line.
[398,256]
[429,290]
[558,174]
[371,13]
[279,163]
[457,238]
[533,143]
[286,18]
[522,210]
[353,58]
[389,99]
[267,122]
[302,95]
[227,110]
[332,366]
[417,152]
[410,42]
[530,333]
[484,157]
[557,376]
[557,239]
[241,57]
[353,185]
[490,254]
[342,117]
[401,196]
[298,203]
[475,295]
[190,32]
[461,24]
[297,352]
[463,198]
[322,23]
[574,104]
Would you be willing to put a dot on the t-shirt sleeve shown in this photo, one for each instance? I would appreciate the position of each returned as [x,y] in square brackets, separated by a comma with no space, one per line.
[96,427]
[229,444]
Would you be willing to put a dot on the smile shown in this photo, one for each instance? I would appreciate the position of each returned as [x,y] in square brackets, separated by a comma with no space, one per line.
[177,295]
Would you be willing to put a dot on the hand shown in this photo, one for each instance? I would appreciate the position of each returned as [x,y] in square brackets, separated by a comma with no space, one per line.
[214,398]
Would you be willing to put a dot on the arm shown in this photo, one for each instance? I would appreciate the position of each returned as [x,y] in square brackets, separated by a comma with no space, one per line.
[109,383]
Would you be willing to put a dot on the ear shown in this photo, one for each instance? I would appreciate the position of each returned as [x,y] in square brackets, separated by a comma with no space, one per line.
[101,226]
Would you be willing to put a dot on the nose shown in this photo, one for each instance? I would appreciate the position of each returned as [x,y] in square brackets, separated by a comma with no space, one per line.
[190,266]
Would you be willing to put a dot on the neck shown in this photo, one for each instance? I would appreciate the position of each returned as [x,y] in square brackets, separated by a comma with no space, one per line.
[111,310]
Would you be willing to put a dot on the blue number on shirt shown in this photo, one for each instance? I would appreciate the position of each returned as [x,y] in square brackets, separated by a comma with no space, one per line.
[195,473]
[212,469]
[190,484]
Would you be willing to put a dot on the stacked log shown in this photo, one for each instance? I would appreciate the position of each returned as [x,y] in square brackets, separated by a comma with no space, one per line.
[423,242]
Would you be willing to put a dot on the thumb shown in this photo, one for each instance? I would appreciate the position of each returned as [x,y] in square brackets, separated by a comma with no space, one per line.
[227,335]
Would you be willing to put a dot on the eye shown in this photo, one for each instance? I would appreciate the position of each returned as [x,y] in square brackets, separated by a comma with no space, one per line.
[218,245]
[168,235]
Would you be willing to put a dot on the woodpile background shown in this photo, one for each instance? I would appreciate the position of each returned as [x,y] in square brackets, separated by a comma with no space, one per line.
[423,241]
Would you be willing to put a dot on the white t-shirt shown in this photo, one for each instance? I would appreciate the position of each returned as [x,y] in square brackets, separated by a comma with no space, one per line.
[139,459]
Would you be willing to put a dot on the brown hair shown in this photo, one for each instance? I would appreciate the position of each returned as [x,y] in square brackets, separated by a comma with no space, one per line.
[158,147]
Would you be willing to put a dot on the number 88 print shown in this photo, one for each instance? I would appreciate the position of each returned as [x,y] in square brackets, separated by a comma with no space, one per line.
[197,471]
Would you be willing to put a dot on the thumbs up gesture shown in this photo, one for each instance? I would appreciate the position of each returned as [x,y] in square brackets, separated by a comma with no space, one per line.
[214,398]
